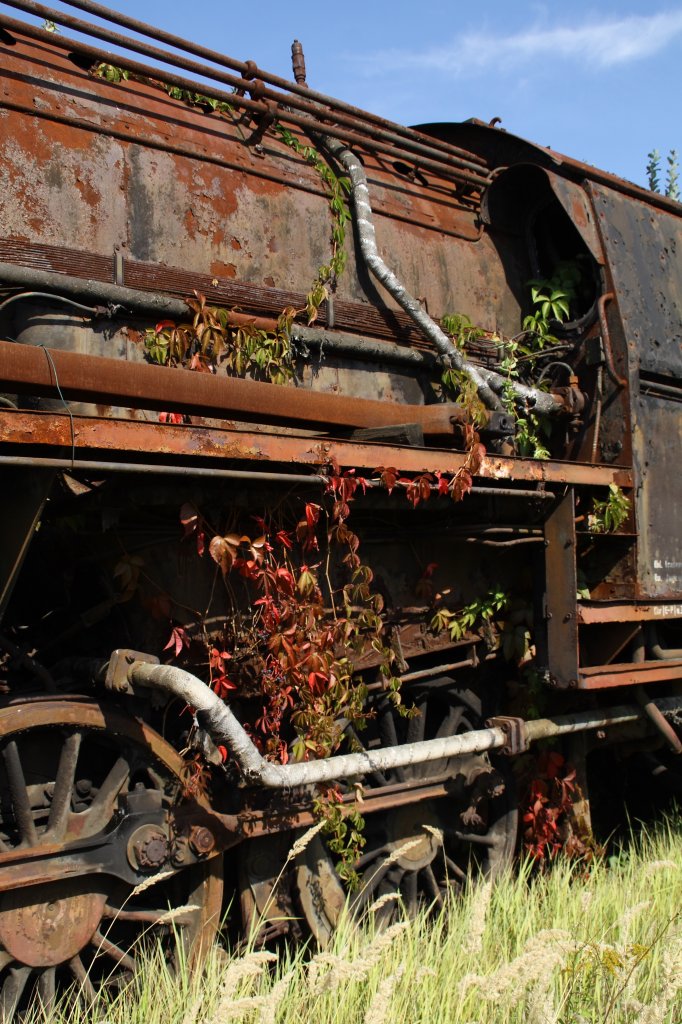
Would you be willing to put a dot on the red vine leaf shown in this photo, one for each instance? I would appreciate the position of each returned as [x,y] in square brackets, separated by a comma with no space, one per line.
[388,477]
[178,639]
[222,552]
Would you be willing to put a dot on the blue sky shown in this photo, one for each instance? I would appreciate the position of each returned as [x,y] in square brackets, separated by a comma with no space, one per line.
[601,82]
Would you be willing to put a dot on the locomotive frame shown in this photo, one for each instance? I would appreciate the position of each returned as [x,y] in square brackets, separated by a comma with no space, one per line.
[120,200]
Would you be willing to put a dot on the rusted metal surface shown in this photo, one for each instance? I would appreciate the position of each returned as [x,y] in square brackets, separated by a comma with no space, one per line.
[53,899]
[502,148]
[228,219]
[250,70]
[46,372]
[603,677]
[430,154]
[641,243]
[41,429]
[630,612]
[446,168]
[152,279]
[560,593]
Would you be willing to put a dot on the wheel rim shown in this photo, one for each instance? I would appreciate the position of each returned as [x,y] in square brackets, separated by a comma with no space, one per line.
[69,773]
[415,853]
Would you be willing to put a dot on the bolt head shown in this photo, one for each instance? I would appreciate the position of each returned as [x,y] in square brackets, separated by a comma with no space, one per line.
[201,840]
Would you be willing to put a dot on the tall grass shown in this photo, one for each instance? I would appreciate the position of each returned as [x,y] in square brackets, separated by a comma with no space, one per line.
[555,949]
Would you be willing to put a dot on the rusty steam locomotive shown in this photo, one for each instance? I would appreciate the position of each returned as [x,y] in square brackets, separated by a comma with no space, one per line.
[314,509]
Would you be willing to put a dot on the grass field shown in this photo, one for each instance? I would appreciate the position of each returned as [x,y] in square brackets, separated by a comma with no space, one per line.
[560,948]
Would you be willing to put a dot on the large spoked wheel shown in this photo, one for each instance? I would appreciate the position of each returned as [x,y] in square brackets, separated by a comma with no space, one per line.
[84,823]
[452,821]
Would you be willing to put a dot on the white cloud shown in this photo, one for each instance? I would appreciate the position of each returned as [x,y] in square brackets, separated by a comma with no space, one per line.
[602,44]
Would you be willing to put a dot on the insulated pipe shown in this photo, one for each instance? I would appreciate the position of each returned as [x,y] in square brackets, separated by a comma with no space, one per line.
[487,382]
[364,222]
[219,721]
[117,295]
[123,299]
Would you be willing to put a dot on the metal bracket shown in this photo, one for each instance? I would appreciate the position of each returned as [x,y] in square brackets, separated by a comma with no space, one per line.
[514,730]
[116,678]
[119,273]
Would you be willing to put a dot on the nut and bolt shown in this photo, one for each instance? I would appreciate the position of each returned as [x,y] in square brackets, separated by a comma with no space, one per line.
[201,840]
[148,847]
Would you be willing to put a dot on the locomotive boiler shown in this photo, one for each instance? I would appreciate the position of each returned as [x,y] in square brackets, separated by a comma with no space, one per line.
[339,467]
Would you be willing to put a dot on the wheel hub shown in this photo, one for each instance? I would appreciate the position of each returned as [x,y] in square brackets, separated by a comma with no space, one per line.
[410,838]
[46,925]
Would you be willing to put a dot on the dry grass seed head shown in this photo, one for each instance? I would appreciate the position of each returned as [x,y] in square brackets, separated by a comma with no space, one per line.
[389,897]
[246,969]
[271,1002]
[303,841]
[378,1009]
[662,865]
[173,915]
[149,882]
[627,917]
[538,961]
[657,1011]
[327,971]
[399,852]
[479,910]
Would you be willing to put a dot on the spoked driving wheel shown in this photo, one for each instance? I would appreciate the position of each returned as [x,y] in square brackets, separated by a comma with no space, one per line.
[85,827]
[441,825]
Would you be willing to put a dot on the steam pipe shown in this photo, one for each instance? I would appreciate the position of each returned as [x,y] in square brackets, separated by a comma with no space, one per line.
[224,728]
[487,382]
[364,222]
[602,302]
[234,99]
[246,83]
[250,70]
[115,294]
[256,476]
[98,466]
[122,299]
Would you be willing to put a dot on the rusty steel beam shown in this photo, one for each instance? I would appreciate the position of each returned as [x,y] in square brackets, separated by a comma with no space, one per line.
[641,673]
[252,823]
[631,611]
[90,434]
[47,372]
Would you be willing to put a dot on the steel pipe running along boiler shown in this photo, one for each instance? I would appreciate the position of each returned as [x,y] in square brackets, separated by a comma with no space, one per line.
[218,720]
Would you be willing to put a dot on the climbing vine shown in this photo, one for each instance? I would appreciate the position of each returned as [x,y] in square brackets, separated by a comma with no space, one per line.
[211,340]
[338,188]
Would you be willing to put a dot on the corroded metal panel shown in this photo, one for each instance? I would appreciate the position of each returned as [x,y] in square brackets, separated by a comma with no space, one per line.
[96,165]
[643,245]
[657,443]
[644,250]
